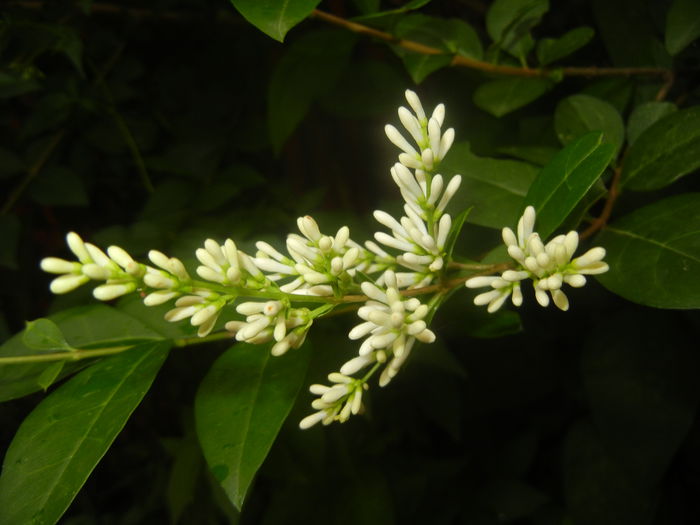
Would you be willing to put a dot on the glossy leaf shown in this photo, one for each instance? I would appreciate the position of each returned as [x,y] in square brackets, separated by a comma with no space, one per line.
[86,326]
[645,115]
[638,371]
[311,65]
[579,114]
[494,188]
[566,179]
[682,25]
[60,442]
[552,49]
[275,17]
[666,151]
[43,334]
[240,408]
[509,22]
[500,97]
[654,254]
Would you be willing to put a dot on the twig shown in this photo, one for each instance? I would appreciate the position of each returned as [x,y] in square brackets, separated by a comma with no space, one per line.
[666,86]
[75,355]
[604,216]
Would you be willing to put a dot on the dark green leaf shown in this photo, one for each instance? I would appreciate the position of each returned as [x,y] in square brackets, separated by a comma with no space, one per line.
[426,30]
[663,153]
[494,188]
[682,25]
[654,254]
[500,97]
[57,186]
[460,38]
[275,17]
[538,155]
[311,65]
[13,84]
[598,490]
[645,115]
[367,6]
[457,225]
[408,6]
[509,22]
[69,43]
[86,326]
[640,377]
[240,408]
[511,499]
[565,180]
[60,442]
[579,114]
[552,49]
[44,334]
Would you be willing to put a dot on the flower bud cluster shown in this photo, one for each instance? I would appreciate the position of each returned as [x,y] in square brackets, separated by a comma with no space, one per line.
[320,264]
[116,267]
[336,402]
[202,307]
[270,320]
[548,265]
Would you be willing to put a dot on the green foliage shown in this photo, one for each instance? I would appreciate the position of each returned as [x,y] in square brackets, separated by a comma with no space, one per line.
[567,178]
[509,23]
[61,441]
[552,49]
[682,25]
[44,334]
[578,114]
[500,97]
[645,115]
[664,152]
[239,409]
[656,245]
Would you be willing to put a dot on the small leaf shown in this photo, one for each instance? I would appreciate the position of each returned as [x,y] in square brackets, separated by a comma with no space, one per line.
[663,153]
[240,408]
[65,436]
[509,22]
[645,115]
[494,189]
[565,180]
[552,49]
[654,254]
[457,225]
[500,97]
[49,375]
[275,17]
[579,114]
[43,334]
[426,30]
[408,6]
[682,25]
[310,67]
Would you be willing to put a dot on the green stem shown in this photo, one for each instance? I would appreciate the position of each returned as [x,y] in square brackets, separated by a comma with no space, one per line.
[76,355]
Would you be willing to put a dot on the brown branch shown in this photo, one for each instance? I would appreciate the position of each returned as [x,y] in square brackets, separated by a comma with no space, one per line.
[613,194]
[666,87]
[462,61]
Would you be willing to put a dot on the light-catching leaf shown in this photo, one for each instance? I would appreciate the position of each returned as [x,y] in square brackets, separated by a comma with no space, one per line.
[95,325]
[509,22]
[275,17]
[310,67]
[60,442]
[654,254]
[565,180]
[663,153]
[500,97]
[240,408]
[645,115]
[493,188]
[552,49]
[580,114]
[44,334]
[682,25]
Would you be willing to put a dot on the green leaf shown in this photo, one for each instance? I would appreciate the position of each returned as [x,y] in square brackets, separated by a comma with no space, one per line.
[645,115]
[682,25]
[493,188]
[654,254]
[65,436]
[310,67]
[44,334]
[275,17]
[500,97]
[509,22]
[538,155]
[14,83]
[552,49]
[83,327]
[49,375]
[367,6]
[461,38]
[426,30]
[565,180]
[408,6]
[240,408]
[639,373]
[663,153]
[579,114]
[457,225]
